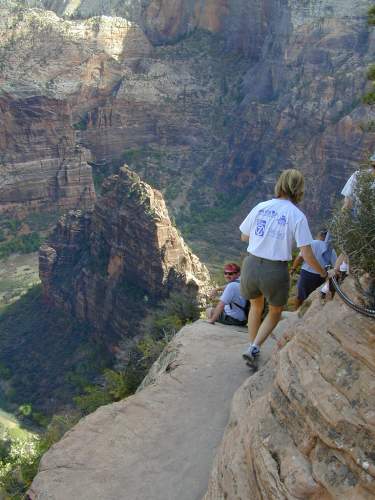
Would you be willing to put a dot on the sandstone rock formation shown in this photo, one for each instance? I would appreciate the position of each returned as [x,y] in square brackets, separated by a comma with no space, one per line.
[41,167]
[110,266]
[49,66]
[303,427]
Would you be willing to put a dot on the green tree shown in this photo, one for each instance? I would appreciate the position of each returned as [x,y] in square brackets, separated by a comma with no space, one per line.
[354,232]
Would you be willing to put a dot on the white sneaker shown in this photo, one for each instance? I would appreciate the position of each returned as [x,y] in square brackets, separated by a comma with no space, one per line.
[251,353]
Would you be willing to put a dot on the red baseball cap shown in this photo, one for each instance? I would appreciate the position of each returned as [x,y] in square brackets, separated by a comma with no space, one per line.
[232,267]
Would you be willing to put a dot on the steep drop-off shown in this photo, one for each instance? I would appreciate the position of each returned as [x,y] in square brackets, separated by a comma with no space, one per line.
[215,97]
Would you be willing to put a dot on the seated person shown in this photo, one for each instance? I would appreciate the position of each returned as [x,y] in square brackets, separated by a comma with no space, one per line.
[231,307]
[309,280]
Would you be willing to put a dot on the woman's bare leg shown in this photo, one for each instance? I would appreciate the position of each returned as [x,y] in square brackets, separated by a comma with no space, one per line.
[255,316]
[269,323]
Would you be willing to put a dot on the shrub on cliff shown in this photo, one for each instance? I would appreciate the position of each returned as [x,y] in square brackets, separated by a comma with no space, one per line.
[369,98]
[354,231]
[20,457]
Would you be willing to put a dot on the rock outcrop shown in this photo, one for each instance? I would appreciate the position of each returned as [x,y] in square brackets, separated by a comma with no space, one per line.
[303,427]
[109,266]
[300,428]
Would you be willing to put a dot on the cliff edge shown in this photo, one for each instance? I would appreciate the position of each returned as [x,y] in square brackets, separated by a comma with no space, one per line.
[159,443]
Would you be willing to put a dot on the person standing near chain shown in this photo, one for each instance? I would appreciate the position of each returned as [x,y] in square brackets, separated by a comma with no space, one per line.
[309,279]
[271,228]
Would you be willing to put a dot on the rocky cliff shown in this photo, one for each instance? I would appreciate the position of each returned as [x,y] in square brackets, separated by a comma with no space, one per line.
[303,427]
[47,67]
[41,166]
[213,96]
[110,266]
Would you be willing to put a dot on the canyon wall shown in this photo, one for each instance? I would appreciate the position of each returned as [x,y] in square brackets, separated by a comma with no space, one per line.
[214,97]
[48,68]
[41,166]
[110,266]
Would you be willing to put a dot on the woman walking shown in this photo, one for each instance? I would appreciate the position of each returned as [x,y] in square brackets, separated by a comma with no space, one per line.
[271,228]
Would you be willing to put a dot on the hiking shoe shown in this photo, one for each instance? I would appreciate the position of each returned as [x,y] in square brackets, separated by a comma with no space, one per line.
[251,353]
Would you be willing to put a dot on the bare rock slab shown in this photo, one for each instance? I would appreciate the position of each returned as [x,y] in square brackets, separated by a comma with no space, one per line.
[160,443]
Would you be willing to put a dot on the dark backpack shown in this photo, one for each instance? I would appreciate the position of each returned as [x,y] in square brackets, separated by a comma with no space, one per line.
[245,308]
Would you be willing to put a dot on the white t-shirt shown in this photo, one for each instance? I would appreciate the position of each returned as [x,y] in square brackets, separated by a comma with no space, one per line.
[349,187]
[273,226]
[230,295]
[351,183]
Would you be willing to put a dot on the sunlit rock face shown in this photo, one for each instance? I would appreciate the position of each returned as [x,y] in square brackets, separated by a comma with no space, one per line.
[61,67]
[109,266]
[303,427]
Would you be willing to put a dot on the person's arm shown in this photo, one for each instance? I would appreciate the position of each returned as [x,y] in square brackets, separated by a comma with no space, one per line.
[339,261]
[246,225]
[333,258]
[215,291]
[216,312]
[296,263]
[348,203]
[309,257]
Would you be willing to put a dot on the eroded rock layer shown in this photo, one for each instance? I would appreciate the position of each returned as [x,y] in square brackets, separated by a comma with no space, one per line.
[49,67]
[107,267]
[41,166]
[303,427]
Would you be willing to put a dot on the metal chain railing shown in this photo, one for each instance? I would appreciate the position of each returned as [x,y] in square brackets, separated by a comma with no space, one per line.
[360,309]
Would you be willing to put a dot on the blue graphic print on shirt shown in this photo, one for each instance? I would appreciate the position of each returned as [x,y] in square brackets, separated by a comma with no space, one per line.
[277,233]
[268,213]
[282,220]
[260,226]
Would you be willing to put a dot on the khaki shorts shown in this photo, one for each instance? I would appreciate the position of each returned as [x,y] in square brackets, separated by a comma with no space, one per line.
[265,277]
